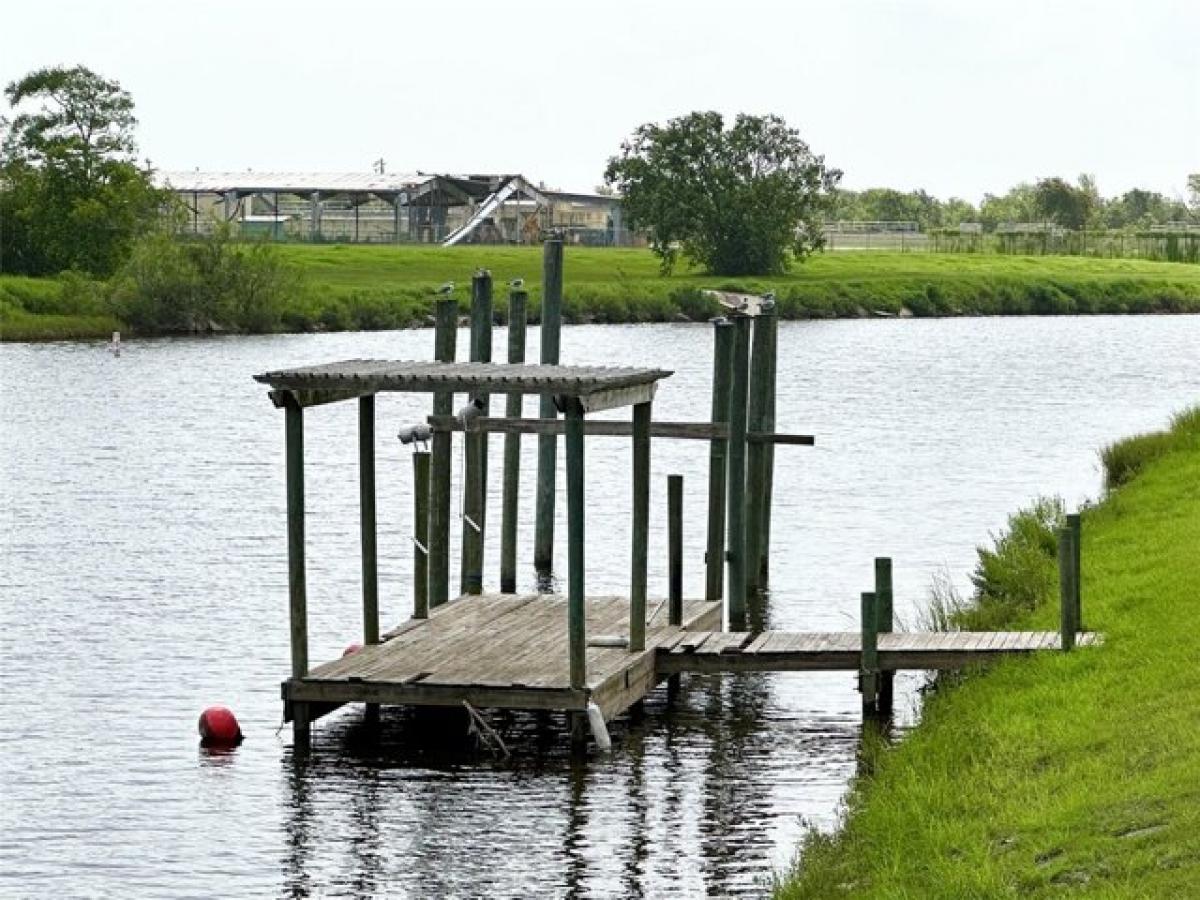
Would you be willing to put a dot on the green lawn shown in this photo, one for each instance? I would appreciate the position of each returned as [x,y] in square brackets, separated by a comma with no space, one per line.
[1066,774]
[373,287]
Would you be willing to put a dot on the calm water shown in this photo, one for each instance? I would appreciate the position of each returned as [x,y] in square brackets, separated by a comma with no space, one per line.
[143,577]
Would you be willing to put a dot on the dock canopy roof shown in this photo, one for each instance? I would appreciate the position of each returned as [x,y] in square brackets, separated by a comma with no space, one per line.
[597,387]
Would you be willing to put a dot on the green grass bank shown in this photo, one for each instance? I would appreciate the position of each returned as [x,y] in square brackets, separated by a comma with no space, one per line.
[1069,774]
[364,287]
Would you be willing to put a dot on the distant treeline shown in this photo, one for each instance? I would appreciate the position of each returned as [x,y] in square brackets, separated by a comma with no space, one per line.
[1077,206]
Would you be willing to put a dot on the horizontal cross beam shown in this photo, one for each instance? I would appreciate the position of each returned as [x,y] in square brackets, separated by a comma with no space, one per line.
[687,431]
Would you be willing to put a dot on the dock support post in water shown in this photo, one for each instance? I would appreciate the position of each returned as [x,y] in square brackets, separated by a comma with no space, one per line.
[297,591]
[770,324]
[576,624]
[885,621]
[736,505]
[1067,577]
[445,339]
[714,558]
[475,444]
[868,675]
[510,501]
[756,453]
[367,520]
[421,535]
[641,526]
[675,549]
[551,325]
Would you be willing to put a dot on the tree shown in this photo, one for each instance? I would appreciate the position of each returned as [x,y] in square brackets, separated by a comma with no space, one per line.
[1194,192]
[71,195]
[1065,205]
[743,200]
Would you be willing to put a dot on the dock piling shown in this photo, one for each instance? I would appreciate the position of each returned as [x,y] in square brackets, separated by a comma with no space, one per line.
[885,622]
[576,624]
[445,340]
[675,549]
[868,676]
[550,328]
[641,526]
[771,325]
[297,591]
[1068,624]
[510,502]
[756,452]
[714,558]
[367,518]
[420,535]
[1075,523]
[475,443]
[736,477]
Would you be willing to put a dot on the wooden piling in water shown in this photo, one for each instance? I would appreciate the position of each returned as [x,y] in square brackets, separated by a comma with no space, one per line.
[551,325]
[444,341]
[576,624]
[475,444]
[714,558]
[675,549]
[736,478]
[297,590]
[756,471]
[641,526]
[868,676]
[510,502]
[885,622]
[1068,624]
[771,326]
[420,535]
[367,518]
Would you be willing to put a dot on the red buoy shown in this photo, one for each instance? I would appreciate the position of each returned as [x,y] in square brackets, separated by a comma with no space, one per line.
[353,648]
[219,728]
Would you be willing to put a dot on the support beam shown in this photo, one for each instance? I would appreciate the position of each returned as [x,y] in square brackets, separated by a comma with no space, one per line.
[641,526]
[868,672]
[510,502]
[756,463]
[445,339]
[675,549]
[736,477]
[1068,624]
[420,535]
[576,624]
[1075,523]
[475,443]
[682,431]
[367,520]
[717,459]
[885,622]
[770,324]
[551,325]
[297,591]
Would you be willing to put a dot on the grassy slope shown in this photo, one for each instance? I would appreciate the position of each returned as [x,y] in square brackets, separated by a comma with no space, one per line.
[1077,772]
[367,287]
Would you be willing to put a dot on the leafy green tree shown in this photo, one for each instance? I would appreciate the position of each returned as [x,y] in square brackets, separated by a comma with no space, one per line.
[742,200]
[1194,192]
[1018,205]
[1065,204]
[71,194]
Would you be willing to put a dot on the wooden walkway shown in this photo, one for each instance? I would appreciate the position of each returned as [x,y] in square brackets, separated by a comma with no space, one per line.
[784,651]
[503,650]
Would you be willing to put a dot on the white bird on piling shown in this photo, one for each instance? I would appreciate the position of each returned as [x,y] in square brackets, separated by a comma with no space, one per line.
[469,413]
[445,289]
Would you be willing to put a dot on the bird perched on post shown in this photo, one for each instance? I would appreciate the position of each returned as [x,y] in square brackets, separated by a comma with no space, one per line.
[470,413]
[445,289]
[517,283]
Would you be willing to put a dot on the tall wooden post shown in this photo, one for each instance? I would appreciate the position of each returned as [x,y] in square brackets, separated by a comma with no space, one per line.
[675,549]
[420,535]
[510,501]
[885,621]
[367,521]
[770,326]
[445,339]
[756,464]
[297,590]
[475,444]
[551,325]
[868,677]
[576,623]
[1066,587]
[717,457]
[1075,523]
[641,526]
[736,505]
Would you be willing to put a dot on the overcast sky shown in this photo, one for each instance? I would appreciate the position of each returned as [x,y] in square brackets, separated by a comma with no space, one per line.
[959,98]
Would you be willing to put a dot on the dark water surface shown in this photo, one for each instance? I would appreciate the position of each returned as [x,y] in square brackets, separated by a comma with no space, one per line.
[143,577]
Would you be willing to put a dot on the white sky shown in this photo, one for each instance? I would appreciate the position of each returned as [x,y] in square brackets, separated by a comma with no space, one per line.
[956,96]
